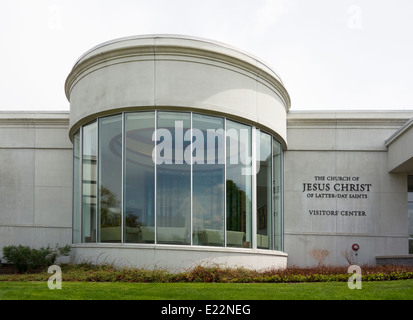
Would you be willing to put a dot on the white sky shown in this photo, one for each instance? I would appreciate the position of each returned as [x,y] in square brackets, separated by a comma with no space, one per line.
[330,54]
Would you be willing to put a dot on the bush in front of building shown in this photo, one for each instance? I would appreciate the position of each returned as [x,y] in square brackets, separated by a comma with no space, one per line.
[89,272]
[24,258]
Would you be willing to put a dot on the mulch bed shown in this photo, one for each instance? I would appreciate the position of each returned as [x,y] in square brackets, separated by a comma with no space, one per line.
[8,269]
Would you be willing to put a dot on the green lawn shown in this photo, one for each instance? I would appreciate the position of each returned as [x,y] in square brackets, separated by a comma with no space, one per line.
[371,290]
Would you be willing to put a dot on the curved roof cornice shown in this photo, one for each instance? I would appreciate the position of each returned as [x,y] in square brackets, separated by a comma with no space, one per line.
[160,44]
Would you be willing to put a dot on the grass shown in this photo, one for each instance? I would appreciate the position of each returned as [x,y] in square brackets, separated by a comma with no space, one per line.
[377,290]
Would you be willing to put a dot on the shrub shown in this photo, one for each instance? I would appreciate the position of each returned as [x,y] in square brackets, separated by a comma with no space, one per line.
[23,257]
[18,256]
[320,255]
[215,273]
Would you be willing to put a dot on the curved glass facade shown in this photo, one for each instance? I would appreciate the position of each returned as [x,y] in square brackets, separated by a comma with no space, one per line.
[182,178]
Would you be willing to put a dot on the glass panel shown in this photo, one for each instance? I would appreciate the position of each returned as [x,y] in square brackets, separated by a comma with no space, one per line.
[264,168]
[76,188]
[238,185]
[410,226]
[139,178]
[208,180]
[89,183]
[173,181]
[277,195]
[410,212]
[110,178]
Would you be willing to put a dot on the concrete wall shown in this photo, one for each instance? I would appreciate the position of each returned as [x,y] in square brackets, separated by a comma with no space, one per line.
[370,209]
[177,258]
[176,73]
[400,157]
[35,179]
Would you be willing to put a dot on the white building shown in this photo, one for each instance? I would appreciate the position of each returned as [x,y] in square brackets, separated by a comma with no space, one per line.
[179,151]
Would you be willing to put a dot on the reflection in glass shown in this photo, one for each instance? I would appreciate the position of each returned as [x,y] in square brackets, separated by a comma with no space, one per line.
[208,180]
[89,183]
[139,193]
[110,178]
[264,221]
[238,185]
[173,181]
[76,188]
[277,195]
[410,212]
[410,226]
[187,182]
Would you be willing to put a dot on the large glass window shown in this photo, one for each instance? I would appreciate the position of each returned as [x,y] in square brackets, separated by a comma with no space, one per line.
[238,185]
[277,195]
[139,178]
[410,212]
[160,177]
[208,180]
[410,226]
[110,178]
[89,175]
[263,184]
[173,179]
[77,189]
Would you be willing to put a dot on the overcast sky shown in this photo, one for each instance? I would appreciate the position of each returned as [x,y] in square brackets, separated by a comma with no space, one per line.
[330,54]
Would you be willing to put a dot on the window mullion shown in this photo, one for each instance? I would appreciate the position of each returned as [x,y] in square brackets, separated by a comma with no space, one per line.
[254,187]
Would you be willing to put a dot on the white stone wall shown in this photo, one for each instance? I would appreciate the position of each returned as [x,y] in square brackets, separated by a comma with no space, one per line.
[367,207]
[177,258]
[35,179]
[173,73]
